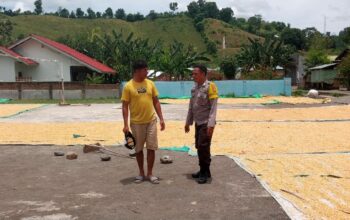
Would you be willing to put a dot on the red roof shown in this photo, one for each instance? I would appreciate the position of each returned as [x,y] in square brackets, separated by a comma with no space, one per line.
[17,56]
[94,64]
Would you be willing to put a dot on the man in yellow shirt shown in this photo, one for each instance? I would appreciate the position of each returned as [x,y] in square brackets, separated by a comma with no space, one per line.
[202,110]
[140,96]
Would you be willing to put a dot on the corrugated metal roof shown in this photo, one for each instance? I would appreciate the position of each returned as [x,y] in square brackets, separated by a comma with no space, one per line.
[324,66]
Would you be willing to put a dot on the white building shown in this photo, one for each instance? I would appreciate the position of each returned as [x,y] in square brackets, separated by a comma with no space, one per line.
[39,59]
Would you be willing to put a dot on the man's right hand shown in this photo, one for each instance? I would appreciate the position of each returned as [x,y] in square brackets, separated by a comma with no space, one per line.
[126,129]
[187,128]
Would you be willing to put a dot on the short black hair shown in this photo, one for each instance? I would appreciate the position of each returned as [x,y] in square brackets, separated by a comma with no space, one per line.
[139,64]
[202,67]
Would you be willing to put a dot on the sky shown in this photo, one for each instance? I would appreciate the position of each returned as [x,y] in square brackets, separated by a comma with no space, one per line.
[298,13]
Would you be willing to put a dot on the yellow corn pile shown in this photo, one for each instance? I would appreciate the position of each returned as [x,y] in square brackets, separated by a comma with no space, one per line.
[263,100]
[319,185]
[7,110]
[324,113]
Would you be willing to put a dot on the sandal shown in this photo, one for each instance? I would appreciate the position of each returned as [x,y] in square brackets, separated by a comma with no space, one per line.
[139,179]
[154,179]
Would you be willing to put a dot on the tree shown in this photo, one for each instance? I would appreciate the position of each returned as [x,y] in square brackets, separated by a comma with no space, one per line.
[317,41]
[228,66]
[90,13]
[80,13]
[6,28]
[120,14]
[152,15]
[310,32]
[130,18]
[263,56]
[9,12]
[72,15]
[139,17]
[208,9]
[254,23]
[173,6]
[176,59]
[316,57]
[120,52]
[108,13]
[344,69]
[38,7]
[193,9]
[211,10]
[278,26]
[63,12]
[345,35]
[294,37]
[226,14]
[98,15]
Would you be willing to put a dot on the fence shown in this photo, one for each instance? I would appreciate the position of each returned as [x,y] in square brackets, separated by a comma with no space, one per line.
[51,90]
[180,89]
[171,89]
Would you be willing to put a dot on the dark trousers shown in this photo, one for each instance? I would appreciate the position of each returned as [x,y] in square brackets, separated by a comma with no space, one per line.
[203,142]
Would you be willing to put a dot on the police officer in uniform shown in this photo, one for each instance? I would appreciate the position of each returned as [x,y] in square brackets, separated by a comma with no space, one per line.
[202,111]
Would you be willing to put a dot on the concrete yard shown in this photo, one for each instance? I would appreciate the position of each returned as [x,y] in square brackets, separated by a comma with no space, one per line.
[37,185]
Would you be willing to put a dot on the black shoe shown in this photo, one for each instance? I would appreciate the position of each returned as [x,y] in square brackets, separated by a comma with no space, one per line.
[208,172]
[196,175]
[203,178]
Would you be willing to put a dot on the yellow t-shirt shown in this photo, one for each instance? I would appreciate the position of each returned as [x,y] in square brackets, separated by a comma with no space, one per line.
[140,98]
[213,91]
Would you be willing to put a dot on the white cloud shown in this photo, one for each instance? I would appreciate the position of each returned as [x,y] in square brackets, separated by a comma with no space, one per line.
[299,13]
[19,5]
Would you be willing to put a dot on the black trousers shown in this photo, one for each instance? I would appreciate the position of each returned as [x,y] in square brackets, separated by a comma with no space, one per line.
[203,142]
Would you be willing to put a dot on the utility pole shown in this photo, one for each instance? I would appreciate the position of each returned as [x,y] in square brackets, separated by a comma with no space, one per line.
[63,101]
[325,25]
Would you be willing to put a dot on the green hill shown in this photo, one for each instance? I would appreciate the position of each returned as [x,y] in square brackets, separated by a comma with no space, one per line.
[235,38]
[165,29]
[180,28]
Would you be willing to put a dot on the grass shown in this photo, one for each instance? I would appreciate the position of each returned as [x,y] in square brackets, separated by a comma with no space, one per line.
[69,101]
[299,93]
[180,28]
[167,30]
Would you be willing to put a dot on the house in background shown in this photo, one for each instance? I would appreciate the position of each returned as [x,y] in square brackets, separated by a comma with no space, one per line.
[326,76]
[9,62]
[39,59]
[323,76]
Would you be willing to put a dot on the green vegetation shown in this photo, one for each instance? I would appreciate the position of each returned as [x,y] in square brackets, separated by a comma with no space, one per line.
[163,29]
[5,31]
[263,58]
[344,69]
[316,57]
[299,93]
[119,52]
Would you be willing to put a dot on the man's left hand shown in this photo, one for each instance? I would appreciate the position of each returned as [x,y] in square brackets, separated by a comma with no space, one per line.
[162,125]
[210,131]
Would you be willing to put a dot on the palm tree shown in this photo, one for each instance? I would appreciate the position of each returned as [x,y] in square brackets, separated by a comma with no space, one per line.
[263,55]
